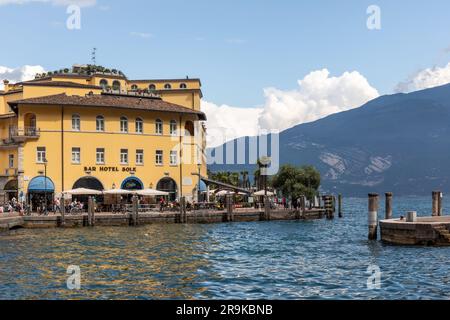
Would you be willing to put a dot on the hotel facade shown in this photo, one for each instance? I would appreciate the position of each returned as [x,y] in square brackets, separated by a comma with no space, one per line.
[99,130]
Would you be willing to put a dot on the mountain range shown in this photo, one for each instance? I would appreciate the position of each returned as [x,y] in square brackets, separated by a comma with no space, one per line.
[395,143]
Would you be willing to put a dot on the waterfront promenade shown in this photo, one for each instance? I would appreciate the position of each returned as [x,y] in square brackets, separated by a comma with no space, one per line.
[128,219]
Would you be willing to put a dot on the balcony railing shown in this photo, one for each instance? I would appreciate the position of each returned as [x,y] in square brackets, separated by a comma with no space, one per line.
[24,133]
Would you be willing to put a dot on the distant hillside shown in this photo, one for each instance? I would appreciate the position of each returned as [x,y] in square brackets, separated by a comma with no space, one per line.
[398,143]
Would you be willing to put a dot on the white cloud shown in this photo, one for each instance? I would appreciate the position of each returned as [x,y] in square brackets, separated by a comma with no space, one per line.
[19,74]
[424,79]
[81,3]
[317,96]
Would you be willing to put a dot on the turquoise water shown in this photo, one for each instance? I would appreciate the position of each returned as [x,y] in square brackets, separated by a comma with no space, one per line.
[264,260]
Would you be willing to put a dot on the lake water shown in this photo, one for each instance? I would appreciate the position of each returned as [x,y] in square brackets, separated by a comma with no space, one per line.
[264,260]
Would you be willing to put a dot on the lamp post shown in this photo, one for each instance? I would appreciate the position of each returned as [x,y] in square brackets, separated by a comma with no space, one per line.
[45,186]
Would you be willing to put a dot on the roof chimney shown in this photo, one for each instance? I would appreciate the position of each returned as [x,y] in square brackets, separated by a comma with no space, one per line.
[6,83]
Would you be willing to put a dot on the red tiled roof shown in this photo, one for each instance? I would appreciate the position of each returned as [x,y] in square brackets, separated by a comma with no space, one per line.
[109,100]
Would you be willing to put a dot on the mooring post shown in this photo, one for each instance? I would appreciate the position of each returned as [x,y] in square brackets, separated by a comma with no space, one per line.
[373,216]
[340,206]
[440,213]
[229,204]
[389,196]
[63,211]
[266,208]
[183,218]
[90,211]
[328,203]
[435,209]
[135,213]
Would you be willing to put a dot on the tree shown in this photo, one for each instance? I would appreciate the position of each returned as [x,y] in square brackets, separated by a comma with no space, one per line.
[294,182]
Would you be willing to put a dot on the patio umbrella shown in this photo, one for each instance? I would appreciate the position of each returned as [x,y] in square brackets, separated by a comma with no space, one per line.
[152,192]
[82,192]
[262,193]
[224,193]
[120,192]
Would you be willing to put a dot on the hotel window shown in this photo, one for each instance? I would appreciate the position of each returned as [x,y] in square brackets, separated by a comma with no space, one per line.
[116,85]
[100,156]
[139,125]
[152,87]
[173,127]
[159,127]
[76,122]
[104,84]
[139,157]
[173,158]
[11,161]
[76,155]
[167,86]
[40,154]
[123,124]
[183,86]
[159,157]
[123,156]
[100,123]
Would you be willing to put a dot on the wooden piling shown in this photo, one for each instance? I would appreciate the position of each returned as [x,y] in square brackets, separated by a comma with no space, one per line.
[440,213]
[229,206]
[435,207]
[328,204]
[266,208]
[373,216]
[91,210]
[63,212]
[389,196]
[183,218]
[340,206]
[135,212]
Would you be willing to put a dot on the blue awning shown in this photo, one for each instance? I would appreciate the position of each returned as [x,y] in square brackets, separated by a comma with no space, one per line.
[39,184]
[203,187]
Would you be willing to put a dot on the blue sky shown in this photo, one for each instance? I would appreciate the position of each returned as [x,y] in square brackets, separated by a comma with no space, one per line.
[250,54]
[237,47]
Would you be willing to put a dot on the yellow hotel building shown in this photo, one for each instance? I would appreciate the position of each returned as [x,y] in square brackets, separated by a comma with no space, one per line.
[91,129]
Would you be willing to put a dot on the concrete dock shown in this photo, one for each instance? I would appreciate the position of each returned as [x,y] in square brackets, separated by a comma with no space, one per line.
[200,216]
[429,231]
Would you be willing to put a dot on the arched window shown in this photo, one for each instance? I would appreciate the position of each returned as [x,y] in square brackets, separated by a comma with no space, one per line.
[104,83]
[139,125]
[167,86]
[124,125]
[159,127]
[100,123]
[189,128]
[183,86]
[173,127]
[116,85]
[152,87]
[76,122]
[134,87]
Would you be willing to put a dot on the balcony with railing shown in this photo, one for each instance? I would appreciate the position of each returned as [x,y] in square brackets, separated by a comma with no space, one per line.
[19,134]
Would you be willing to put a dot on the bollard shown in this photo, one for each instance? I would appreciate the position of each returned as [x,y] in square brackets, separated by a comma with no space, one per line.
[340,206]
[411,216]
[389,215]
[373,216]
[435,208]
[135,213]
